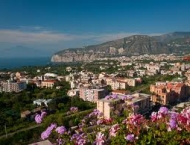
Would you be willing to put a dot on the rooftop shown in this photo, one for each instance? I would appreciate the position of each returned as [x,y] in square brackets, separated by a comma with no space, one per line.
[45,142]
[133,97]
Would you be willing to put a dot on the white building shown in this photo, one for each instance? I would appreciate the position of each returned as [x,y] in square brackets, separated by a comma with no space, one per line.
[10,86]
[40,101]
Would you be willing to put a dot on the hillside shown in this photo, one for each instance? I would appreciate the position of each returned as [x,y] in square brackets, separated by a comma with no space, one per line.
[132,45]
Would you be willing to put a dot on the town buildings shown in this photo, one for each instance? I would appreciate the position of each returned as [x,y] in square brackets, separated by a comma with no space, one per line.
[168,92]
[48,83]
[92,94]
[119,83]
[73,92]
[10,86]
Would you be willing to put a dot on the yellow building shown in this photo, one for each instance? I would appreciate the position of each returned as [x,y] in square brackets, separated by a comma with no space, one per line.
[48,83]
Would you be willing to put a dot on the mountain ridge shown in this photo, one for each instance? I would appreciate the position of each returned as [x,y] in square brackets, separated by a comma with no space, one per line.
[135,44]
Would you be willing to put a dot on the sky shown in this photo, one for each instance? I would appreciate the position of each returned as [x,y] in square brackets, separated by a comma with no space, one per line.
[52,25]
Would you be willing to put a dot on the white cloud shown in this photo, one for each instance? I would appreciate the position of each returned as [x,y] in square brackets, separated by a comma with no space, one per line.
[38,35]
[31,28]
[113,36]
[17,36]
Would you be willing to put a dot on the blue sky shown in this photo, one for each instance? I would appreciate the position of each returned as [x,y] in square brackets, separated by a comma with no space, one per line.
[51,25]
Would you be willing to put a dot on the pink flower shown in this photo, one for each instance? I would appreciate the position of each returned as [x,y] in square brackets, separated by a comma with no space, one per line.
[96,113]
[184,117]
[163,110]
[130,137]
[38,118]
[135,119]
[74,109]
[100,121]
[43,114]
[154,116]
[45,134]
[60,141]
[52,126]
[79,139]
[61,130]
[100,138]
[114,96]
[48,131]
[172,123]
[114,129]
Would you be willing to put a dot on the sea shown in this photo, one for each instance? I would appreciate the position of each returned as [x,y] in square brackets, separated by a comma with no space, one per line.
[11,63]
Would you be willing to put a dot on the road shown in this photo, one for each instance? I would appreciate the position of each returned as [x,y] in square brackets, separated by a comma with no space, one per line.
[24,129]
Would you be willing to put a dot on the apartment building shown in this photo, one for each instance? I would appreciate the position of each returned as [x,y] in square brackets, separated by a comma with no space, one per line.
[109,107]
[48,83]
[153,68]
[10,86]
[119,83]
[115,104]
[142,101]
[92,94]
[168,92]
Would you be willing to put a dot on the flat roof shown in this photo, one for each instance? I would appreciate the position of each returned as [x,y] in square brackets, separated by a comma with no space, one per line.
[45,142]
[136,97]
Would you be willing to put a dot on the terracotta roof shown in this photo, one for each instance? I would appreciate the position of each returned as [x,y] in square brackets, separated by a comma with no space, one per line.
[179,85]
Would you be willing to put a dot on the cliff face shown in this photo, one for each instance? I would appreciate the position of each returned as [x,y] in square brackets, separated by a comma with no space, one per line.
[74,57]
[137,44]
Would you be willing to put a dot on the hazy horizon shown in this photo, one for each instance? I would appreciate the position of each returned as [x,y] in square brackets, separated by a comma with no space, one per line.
[50,26]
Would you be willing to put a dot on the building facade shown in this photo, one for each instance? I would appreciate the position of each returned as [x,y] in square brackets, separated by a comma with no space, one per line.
[92,95]
[115,104]
[168,92]
[13,86]
[47,83]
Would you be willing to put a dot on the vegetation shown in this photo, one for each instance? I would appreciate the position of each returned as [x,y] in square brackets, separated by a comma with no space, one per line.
[164,128]
[12,104]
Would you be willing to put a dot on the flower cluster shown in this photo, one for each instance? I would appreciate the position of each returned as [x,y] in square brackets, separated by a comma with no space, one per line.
[114,96]
[135,129]
[127,97]
[61,129]
[114,129]
[39,117]
[96,113]
[79,139]
[130,137]
[48,131]
[72,110]
[100,138]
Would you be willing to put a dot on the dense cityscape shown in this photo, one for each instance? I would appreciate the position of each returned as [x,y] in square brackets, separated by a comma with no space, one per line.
[94,72]
[115,87]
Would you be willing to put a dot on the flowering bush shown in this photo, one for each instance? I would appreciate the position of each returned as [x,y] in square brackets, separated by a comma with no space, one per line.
[39,117]
[72,110]
[163,127]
